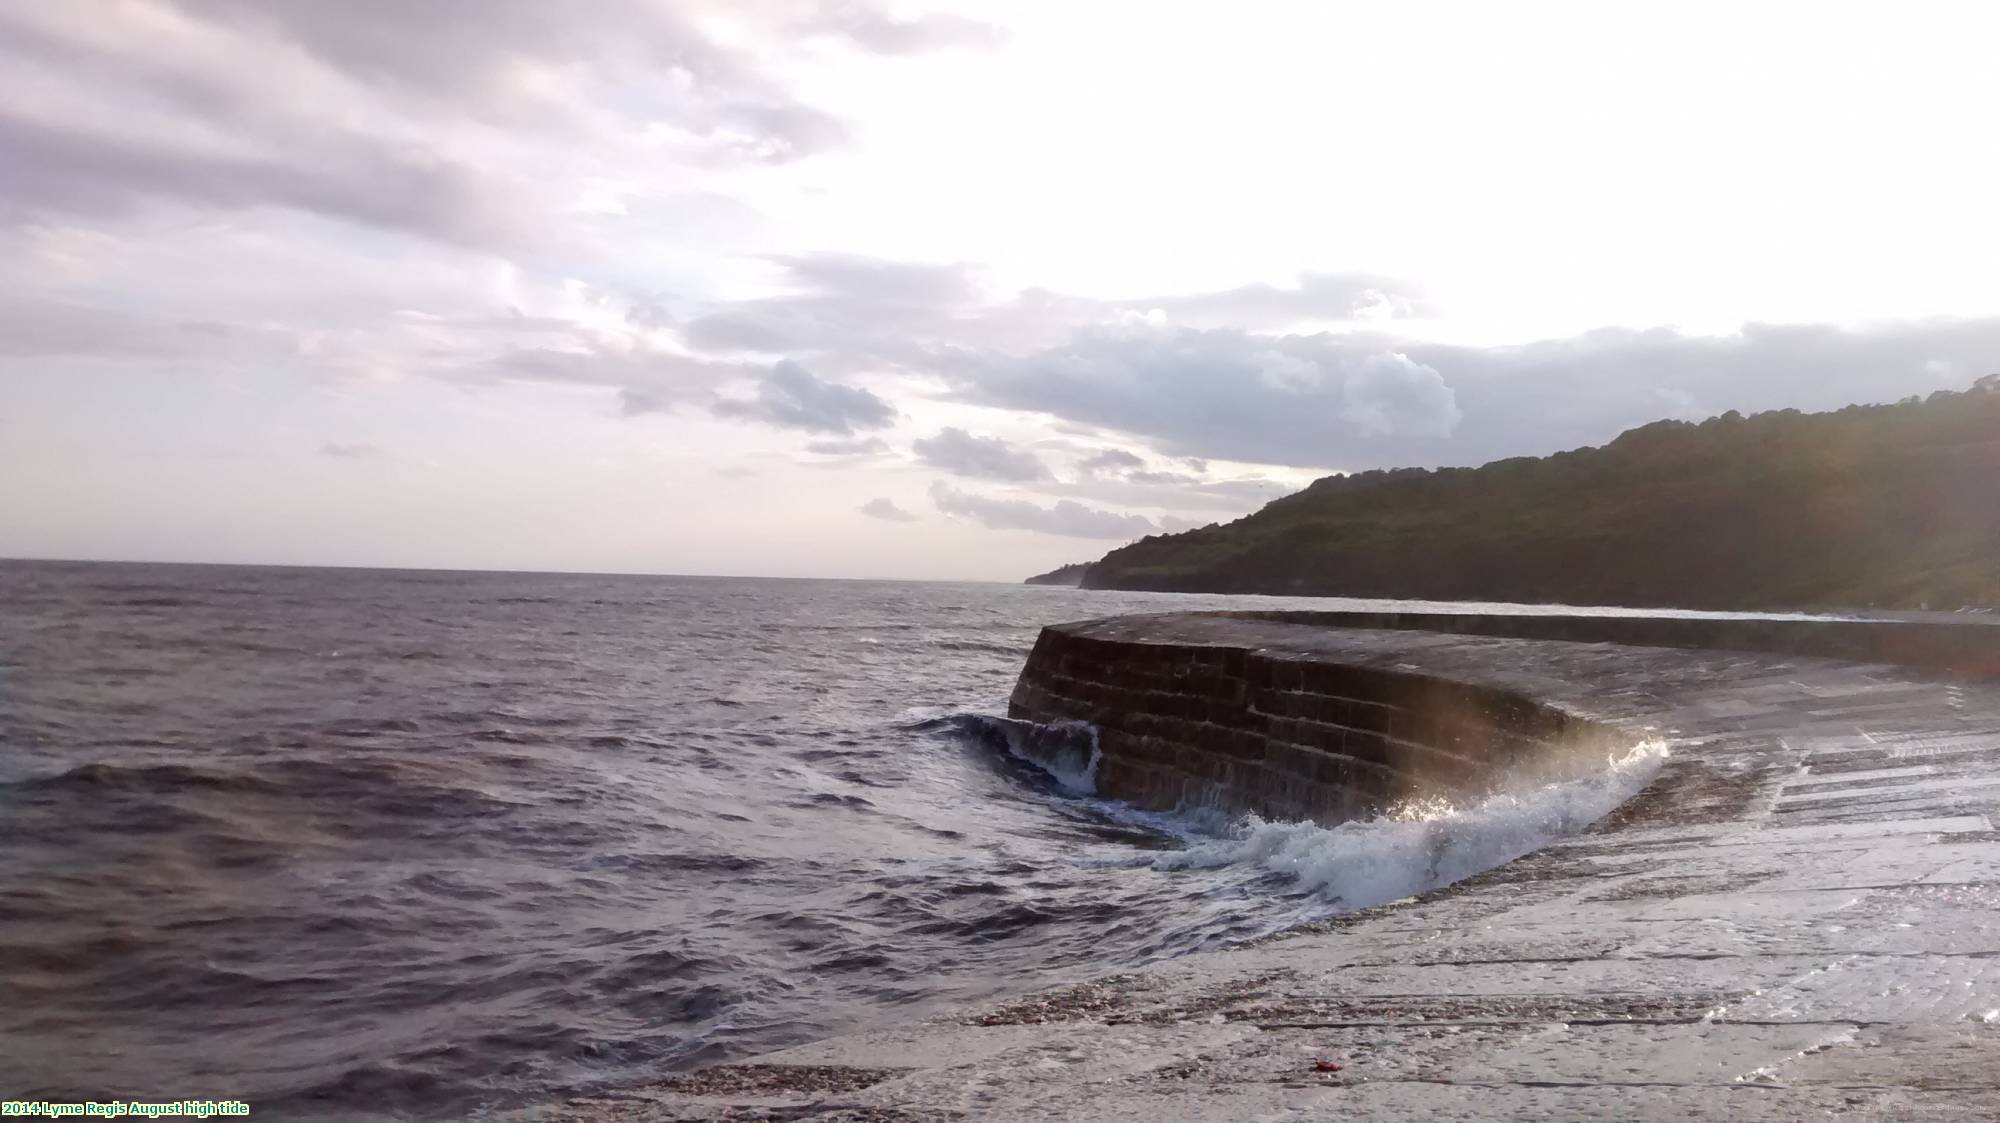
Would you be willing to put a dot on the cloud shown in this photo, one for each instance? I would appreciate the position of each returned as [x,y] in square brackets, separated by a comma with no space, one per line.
[432,119]
[844,305]
[1306,400]
[982,458]
[351,450]
[1120,476]
[878,31]
[1174,491]
[790,397]
[1067,517]
[1318,297]
[1364,399]
[507,60]
[1585,389]
[886,509]
[1388,394]
[862,446]
[1110,460]
[1357,398]
[100,174]
[851,308]
[35,327]
[648,379]
[877,281]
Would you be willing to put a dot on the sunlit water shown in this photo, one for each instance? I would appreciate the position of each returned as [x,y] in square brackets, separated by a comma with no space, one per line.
[350,844]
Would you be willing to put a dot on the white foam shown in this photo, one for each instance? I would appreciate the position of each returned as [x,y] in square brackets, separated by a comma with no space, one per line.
[1066,750]
[1421,847]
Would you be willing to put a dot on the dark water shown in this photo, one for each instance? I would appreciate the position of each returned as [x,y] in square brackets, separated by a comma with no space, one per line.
[350,844]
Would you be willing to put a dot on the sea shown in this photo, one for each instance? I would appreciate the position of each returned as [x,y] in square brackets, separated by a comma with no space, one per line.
[375,844]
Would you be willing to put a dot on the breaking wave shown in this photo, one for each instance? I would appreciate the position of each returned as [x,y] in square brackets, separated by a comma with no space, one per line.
[1065,751]
[1419,846]
[1414,848]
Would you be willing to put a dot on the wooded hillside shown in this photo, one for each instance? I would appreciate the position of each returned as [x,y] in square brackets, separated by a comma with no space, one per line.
[1888,506]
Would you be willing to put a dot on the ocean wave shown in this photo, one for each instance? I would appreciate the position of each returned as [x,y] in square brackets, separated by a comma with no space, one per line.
[1014,650]
[1066,751]
[1417,847]
[103,777]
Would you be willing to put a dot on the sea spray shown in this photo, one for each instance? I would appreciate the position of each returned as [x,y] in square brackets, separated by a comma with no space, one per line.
[1423,845]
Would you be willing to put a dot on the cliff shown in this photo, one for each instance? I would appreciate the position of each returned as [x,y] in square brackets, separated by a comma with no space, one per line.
[1888,505]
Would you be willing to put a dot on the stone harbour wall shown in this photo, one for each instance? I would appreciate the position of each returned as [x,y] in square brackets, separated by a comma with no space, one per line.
[1185,725]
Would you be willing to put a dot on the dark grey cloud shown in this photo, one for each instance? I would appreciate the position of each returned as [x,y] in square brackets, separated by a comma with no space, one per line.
[790,397]
[1066,517]
[885,508]
[981,458]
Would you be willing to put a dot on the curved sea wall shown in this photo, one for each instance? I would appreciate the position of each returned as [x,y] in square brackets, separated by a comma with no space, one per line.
[1191,711]
[1182,723]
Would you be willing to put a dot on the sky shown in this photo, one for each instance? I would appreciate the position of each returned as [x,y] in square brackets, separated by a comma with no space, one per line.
[956,290]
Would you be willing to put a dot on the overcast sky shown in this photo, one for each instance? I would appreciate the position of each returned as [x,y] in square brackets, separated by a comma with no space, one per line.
[792,287]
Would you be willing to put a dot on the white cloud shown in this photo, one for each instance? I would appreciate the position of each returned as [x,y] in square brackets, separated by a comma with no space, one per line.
[1388,394]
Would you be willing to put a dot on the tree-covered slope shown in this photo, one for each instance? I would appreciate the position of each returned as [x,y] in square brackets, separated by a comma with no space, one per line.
[1071,575]
[1888,506]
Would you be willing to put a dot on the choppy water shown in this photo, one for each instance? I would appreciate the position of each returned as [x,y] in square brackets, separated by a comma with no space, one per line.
[351,844]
